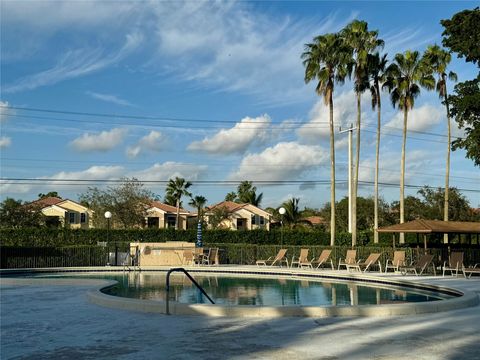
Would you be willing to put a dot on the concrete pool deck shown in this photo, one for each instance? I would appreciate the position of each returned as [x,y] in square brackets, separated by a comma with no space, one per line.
[58,322]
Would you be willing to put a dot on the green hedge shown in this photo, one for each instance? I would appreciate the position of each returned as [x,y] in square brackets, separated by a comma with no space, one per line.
[62,237]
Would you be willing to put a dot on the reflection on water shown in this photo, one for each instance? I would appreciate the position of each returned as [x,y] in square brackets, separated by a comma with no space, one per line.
[261,291]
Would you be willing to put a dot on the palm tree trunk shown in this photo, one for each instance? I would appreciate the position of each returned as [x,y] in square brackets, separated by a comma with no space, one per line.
[355,179]
[377,157]
[332,174]
[178,214]
[447,175]
[402,174]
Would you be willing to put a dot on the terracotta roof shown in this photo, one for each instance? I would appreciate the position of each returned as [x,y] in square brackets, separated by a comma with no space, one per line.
[434,226]
[48,201]
[314,220]
[167,208]
[230,205]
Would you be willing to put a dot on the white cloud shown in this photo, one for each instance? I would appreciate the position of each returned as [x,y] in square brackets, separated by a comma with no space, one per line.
[104,141]
[109,98]
[416,161]
[92,173]
[169,170]
[5,111]
[284,161]
[75,63]
[419,119]
[344,114]
[154,141]
[5,142]
[237,139]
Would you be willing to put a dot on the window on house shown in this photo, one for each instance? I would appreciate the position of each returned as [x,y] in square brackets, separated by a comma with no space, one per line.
[83,218]
[262,220]
[171,220]
[254,220]
[71,218]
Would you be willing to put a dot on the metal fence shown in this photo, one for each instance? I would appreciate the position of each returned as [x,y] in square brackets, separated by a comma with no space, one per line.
[241,254]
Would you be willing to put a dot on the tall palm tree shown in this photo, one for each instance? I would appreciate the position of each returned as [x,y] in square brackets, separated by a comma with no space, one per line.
[405,76]
[362,42]
[247,193]
[176,188]
[292,212]
[438,59]
[198,202]
[377,66]
[326,61]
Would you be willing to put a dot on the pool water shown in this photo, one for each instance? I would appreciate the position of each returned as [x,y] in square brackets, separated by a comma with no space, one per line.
[258,290]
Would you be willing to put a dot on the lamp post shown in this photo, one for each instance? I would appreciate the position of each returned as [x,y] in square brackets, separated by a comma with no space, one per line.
[281,211]
[108,216]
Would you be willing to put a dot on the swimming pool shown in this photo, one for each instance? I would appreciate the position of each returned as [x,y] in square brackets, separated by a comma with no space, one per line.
[263,290]
[250,291]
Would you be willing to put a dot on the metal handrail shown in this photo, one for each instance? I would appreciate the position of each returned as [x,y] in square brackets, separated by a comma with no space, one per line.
[167,309]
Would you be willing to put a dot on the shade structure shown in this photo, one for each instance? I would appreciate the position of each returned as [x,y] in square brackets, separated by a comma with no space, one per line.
[199,234]
[420,226]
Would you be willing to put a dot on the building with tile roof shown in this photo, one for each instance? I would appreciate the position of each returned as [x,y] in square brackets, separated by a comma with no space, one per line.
[64,212]
[241,216]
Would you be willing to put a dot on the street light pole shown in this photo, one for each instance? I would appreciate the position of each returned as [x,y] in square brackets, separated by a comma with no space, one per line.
[281,212]
[108,215]
[350,185]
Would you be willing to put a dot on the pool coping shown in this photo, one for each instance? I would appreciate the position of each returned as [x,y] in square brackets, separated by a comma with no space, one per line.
[464,299]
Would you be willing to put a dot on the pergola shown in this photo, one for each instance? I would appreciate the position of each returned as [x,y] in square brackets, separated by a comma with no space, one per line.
[426,227]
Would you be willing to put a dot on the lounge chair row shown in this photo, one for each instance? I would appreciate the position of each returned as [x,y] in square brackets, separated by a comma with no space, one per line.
[397,264]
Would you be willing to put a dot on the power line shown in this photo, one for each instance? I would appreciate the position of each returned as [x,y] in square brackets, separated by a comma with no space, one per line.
[77,182]
[219,164]
[177,119]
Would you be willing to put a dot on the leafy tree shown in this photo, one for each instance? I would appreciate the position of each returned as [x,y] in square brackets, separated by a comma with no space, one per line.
[198,202]
[414,208]
[128,203]
[49,194]
[365,211]
[438,60]
[465,108]
[377,66]
[405,76]
[362,43]
[462,34]
[176,188]
[15,214]
[433,200]
[326,60]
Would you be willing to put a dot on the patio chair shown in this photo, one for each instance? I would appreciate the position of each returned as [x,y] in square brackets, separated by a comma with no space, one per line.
[323,259]
[302,259]
[398,260]
[279,259]
[419,266]
[350,259]
[198,256]
[471,270]
[371,260]
[211,257]
[188,257]
[455,263]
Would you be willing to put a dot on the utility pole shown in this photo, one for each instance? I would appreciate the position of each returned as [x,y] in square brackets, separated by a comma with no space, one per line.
[350,185]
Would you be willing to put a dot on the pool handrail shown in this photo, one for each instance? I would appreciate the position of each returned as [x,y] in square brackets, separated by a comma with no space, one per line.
[167,310]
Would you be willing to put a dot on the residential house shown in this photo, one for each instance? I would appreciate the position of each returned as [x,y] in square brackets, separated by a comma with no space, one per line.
[162,216]
[65,213]
[241,216]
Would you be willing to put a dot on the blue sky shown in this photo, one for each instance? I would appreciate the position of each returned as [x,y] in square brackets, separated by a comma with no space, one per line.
[214,91]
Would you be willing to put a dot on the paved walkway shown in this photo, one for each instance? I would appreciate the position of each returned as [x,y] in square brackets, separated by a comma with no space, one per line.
[58,322]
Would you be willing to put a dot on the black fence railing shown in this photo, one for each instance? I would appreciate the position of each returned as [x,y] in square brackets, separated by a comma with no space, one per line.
[241,254]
